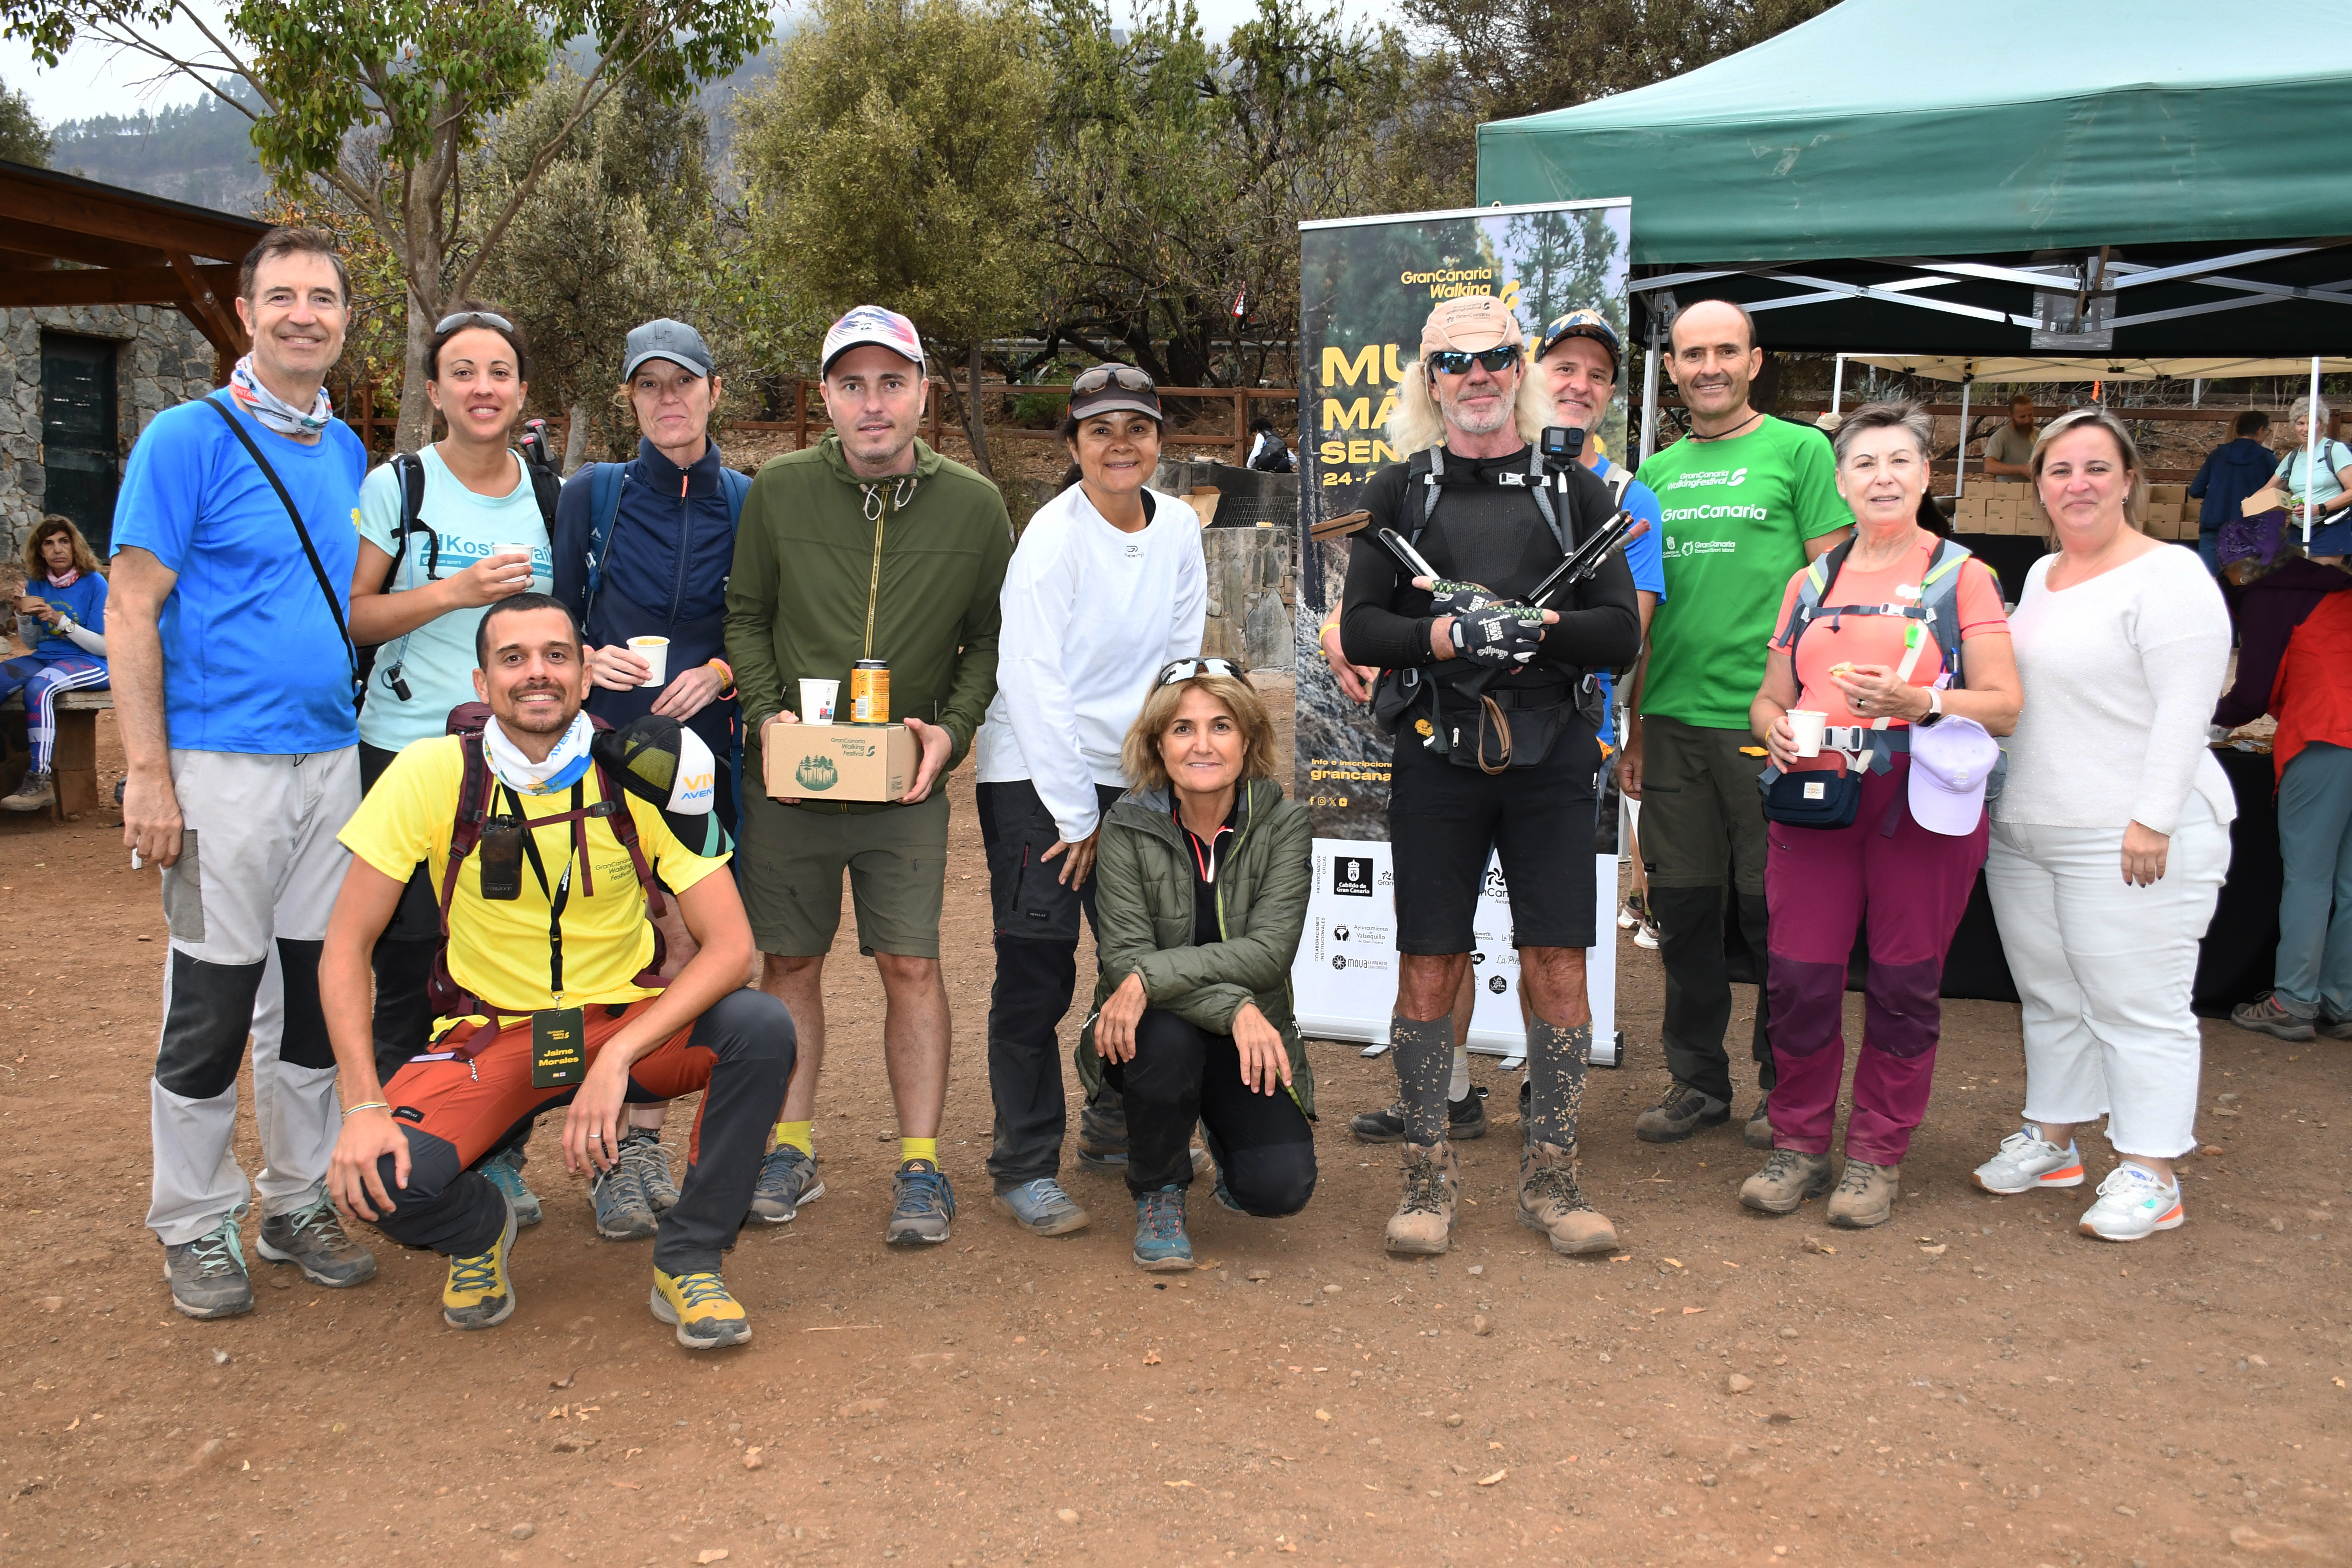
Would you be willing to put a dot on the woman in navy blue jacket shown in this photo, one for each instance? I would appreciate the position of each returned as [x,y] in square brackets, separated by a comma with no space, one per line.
[644,549]
[61,615]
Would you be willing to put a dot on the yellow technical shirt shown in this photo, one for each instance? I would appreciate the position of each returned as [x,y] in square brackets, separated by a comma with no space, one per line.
[498,947]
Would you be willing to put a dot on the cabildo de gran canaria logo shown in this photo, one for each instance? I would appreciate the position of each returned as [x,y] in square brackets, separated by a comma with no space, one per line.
[816,774]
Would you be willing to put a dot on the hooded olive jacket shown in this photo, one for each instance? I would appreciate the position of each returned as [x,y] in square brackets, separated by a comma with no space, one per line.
[830,569]
[1143,910]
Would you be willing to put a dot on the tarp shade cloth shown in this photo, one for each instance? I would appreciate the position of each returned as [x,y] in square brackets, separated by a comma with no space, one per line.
[1887,127]
[2031,367]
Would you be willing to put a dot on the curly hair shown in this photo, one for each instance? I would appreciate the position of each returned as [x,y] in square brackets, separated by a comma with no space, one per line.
[49,527]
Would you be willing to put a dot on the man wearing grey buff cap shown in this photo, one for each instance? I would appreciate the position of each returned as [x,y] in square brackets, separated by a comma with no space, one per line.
[1494,749]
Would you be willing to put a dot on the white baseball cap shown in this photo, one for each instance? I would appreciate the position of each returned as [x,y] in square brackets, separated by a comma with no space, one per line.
[1951,762]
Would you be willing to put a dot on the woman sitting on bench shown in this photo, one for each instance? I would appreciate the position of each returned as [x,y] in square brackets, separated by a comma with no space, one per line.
[61,616]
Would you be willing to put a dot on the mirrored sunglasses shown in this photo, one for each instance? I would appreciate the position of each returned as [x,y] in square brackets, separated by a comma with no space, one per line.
[1103,376]
[1458,362]
[1177,671]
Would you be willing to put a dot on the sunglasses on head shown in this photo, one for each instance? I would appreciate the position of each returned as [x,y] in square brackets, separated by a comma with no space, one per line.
[1102,375]
[474,318]
[1458,362]
[1183,669]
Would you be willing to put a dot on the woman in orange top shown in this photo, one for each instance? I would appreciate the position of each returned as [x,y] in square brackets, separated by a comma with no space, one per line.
[1867,661]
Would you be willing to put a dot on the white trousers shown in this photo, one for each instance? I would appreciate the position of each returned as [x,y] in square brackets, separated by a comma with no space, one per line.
[258,869]
[2105,970]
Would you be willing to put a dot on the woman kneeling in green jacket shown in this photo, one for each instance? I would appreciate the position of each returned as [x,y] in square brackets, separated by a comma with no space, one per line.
[1200,890]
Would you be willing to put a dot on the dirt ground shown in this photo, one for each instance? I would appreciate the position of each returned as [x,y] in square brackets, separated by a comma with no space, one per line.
[1975,1383]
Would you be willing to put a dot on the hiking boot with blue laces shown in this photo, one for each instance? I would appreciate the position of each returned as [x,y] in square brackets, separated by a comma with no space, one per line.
[505,1171]
[1042,1208]
[313,1240]
[478,1295]
[922,1204]
[788,1179]
[1161,1244]
[207,1274]
[708,1317]
[623,1213]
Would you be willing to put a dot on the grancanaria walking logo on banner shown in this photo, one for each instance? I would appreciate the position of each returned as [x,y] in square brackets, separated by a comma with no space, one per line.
[1365,286]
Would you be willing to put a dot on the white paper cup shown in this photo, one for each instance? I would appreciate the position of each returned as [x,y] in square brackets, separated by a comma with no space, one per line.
[817,698]
[1807,728]
[655,651]
[529,569]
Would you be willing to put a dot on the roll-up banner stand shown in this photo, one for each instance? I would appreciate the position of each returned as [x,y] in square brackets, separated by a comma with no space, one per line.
[1365,285]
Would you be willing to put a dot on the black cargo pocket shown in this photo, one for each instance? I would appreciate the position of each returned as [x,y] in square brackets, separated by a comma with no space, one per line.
[184,892]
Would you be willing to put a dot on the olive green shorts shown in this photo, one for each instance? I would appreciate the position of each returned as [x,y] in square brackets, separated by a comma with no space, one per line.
[793,860]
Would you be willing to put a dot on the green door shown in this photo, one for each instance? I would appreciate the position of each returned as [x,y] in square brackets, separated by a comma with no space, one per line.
[78,450]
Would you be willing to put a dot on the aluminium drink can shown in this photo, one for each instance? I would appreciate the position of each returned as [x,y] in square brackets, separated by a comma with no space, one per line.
[869,691]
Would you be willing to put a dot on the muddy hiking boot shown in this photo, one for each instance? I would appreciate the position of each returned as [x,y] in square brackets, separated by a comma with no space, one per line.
[642,1152]
[1102,1133]
[313,1240]
[1865,1194]
[1424,1222]
[622,1211]
[207,1274]
[1787,1180]
[1465,1119]
[1550,1202]
[36,794]
[1683,1112]
[788,1179]
[1758,1133]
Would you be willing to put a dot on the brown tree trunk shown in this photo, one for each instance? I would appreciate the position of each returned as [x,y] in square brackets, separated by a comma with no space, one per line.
[416,428]
[975,422]
[575,437]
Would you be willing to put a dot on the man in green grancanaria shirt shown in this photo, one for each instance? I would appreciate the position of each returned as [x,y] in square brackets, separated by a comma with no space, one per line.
[1748,501]
[867,545]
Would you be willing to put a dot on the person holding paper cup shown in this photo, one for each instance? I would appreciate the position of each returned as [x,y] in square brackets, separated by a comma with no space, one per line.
[1893,657]
[443,534]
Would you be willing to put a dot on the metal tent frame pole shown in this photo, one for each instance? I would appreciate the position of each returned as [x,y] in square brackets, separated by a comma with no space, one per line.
[1837,386]
[1960,457]
[1650,395]
[2311,459]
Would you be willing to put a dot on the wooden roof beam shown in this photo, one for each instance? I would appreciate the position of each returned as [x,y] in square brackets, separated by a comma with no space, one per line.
[110,286]
[211,308]
[41,239]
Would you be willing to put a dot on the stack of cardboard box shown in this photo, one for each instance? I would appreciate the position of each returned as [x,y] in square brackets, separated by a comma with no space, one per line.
[2170,513]
[1990,507]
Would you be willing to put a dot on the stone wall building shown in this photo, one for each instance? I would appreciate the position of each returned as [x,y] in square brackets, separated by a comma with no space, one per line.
[81,383]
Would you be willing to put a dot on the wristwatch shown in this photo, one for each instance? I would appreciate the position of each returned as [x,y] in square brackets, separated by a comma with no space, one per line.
[1935,713]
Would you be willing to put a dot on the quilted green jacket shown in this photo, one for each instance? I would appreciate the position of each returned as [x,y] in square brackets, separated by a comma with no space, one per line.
[1143,904]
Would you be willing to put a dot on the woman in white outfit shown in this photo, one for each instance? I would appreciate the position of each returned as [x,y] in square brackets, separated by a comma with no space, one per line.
[2111,839]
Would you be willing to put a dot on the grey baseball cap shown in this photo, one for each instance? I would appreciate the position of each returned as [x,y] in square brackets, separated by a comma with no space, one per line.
[665,338]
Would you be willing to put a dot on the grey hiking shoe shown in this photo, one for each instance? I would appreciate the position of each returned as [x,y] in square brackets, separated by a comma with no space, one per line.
[2334,1029]
[36,794]
[1758,1133]
[1683,1112]
[1042,1208]
[1161,1245]
[2267,1014]
[1465,1119]
[923,1202]
[207,1274]
[623,1212]
[641,1148]
[1102,1132]
[788,1179]
[314,1240]
[505,1171]
[1865,1194]
[1787,1180]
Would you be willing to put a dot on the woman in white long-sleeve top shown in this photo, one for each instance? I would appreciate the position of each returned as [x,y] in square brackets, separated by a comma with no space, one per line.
[2111,839]
[1107,586]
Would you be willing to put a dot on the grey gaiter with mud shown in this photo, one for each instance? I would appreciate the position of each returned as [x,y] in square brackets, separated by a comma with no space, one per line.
[1556,1057]
[1424,1064]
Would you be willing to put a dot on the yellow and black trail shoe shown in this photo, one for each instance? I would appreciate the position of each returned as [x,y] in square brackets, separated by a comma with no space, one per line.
[708,1317]
[479,1295]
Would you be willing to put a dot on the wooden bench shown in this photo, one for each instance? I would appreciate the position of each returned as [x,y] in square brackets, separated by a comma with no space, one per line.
[74,769]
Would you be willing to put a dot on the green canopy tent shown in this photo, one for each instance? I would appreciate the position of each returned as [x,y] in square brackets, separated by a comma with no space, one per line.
[2154,179]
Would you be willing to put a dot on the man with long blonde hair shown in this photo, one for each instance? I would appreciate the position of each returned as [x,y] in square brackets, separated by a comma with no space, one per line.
[1493,750]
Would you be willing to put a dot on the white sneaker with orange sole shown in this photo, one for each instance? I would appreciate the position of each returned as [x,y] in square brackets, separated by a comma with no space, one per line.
[2027,1162]
[2134,1203]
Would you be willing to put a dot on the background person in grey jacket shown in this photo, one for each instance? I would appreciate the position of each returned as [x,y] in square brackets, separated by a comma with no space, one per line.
[1201,899]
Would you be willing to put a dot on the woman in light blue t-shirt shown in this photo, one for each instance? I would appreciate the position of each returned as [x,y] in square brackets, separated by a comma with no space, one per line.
[422,604]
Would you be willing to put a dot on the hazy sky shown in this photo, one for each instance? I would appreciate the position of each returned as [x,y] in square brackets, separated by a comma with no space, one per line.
[93,80]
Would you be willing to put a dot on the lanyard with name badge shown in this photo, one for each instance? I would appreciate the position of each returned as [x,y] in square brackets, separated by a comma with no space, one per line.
[559,1046]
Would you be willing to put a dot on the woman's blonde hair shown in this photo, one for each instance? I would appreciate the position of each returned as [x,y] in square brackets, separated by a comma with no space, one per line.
[2136,498]
[49,527]
[1140,756]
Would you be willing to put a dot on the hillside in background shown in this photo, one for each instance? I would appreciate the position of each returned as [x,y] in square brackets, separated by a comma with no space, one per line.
[202,153]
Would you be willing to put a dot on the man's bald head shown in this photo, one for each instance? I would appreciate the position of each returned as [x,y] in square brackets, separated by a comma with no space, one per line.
[1713,321]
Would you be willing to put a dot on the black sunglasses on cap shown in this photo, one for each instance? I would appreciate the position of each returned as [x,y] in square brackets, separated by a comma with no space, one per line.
[1177,671]
[1103,376]
[1458,362]
[473,319]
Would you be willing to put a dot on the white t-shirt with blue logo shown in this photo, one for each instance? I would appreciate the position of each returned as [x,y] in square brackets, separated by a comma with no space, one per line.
[437,660]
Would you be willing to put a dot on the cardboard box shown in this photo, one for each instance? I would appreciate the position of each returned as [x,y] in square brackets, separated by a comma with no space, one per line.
[2167,494]
[840,761]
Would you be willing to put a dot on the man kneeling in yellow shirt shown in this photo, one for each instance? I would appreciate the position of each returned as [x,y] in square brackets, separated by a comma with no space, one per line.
[547,976]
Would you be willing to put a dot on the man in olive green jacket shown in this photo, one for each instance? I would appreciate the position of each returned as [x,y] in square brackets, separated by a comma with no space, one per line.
[868,546]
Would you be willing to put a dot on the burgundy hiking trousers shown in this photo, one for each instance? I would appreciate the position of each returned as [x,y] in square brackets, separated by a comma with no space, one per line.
[1819,884]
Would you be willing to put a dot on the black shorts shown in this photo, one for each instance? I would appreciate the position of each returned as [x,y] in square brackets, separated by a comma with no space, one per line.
[1445,821]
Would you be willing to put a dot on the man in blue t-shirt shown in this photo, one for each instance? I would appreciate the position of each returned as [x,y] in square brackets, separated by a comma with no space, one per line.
[235,539]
